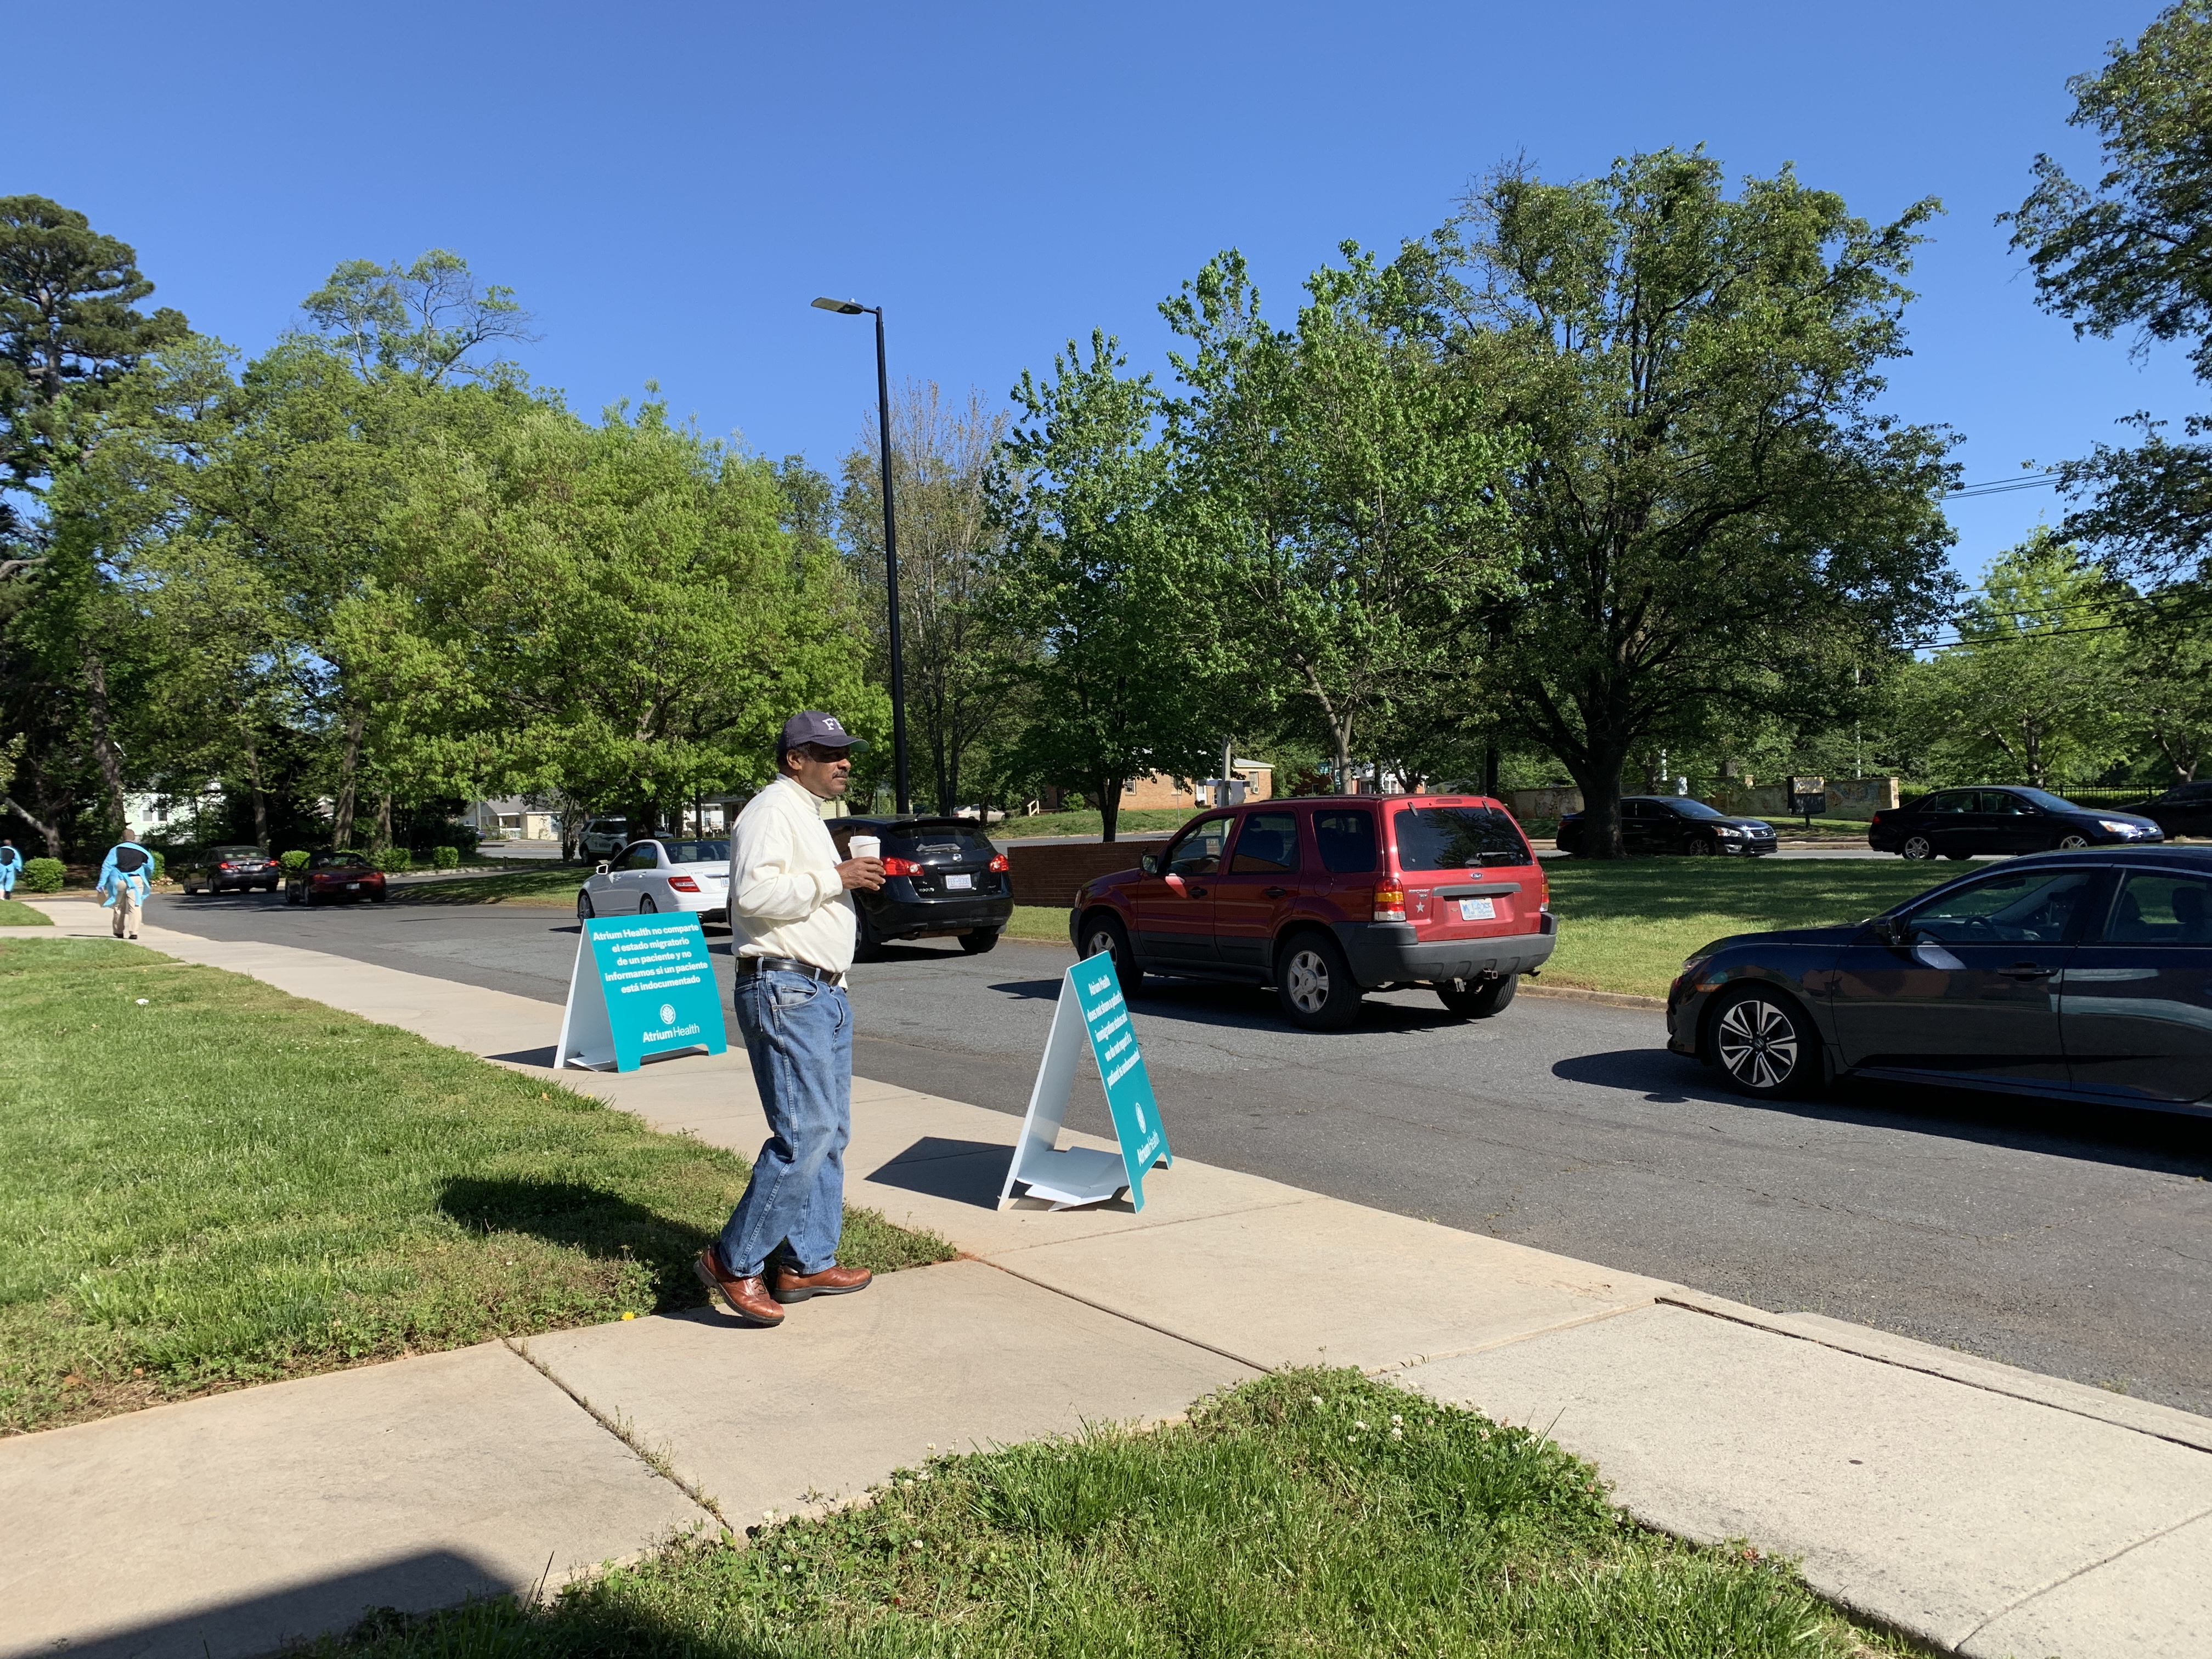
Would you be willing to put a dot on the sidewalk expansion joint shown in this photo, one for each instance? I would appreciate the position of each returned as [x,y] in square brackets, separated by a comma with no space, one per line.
[1129,1318]
[1986,1385]
[1162,1225]
[2065,1578]
[622,1430]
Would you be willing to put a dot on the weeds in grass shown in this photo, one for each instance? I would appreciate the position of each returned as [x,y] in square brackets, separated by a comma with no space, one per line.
[222,1184]
[1310,1513]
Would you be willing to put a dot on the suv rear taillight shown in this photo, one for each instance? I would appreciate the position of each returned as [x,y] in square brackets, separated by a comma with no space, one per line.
[900,867]
[684,883]
[1002,862]
[1389,902]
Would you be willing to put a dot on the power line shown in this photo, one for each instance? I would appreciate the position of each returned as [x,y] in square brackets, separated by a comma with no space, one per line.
[2002,486]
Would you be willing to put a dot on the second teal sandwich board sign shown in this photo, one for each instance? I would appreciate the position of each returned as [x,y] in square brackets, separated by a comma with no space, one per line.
[1090,994]
[643,986]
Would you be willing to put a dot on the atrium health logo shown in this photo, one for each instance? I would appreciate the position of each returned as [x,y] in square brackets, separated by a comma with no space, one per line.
[668,1013]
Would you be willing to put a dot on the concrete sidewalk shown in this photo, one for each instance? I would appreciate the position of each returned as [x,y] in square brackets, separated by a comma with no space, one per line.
[1985,1509]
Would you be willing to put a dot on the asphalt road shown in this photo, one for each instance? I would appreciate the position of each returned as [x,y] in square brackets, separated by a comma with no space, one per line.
[2068,1240]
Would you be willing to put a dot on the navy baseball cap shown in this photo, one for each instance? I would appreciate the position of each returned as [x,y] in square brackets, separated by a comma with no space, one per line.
[814,727]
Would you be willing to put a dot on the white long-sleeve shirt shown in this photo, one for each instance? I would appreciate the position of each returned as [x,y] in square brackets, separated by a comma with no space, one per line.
[786,898]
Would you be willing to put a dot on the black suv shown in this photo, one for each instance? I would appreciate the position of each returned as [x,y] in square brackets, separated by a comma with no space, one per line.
[1675,823]
[943,876]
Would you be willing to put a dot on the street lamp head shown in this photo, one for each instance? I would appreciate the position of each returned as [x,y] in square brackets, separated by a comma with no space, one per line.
[843,307]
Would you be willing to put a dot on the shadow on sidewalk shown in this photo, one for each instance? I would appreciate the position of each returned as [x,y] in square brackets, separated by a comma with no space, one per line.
[2104,1134]
[273,1622]
[961,1171]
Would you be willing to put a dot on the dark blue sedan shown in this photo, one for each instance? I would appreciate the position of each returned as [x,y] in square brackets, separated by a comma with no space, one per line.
[2079,975]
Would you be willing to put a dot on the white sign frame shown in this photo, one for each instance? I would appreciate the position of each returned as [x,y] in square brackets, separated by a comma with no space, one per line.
[593,1046]
[1066,1176]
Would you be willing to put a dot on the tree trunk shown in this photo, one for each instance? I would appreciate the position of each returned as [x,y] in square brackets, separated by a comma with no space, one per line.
[1599,779]
[382,840]
[349,769]
[1109,806]
[103,742]
[50,831]
[252,753]
[1490,770]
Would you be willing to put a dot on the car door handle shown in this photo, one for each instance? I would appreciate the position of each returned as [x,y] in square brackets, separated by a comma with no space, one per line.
[2024,970]
[1198,892]
[1274,892]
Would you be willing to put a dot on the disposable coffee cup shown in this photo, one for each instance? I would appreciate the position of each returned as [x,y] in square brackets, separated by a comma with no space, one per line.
[864,847]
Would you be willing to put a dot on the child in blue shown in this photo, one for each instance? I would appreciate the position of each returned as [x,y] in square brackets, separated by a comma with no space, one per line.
[11,866]
[125,879]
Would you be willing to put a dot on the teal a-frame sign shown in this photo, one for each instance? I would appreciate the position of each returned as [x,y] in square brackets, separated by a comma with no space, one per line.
[1091,993]
[643,986]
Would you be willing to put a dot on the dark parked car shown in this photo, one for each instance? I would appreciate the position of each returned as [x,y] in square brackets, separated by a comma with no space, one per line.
[2183,810]
[2078,976]
[943,876]
[227,869]
[1957,824]
[1327,899]
[1675,823]
[335,877]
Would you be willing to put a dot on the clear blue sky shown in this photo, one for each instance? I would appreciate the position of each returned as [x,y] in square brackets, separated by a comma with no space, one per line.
[666,185]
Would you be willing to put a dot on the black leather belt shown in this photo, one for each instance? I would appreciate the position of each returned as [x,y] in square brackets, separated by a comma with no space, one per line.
[747,965]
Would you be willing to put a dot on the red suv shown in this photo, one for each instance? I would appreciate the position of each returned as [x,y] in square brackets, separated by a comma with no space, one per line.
[1330,897]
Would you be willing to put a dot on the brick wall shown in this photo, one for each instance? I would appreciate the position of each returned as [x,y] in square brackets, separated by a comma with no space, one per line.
[1050,874]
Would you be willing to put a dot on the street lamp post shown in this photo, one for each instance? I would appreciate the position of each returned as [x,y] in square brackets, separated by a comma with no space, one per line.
[853,308]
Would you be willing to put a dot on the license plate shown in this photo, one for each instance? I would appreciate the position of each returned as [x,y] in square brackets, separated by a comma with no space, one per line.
[353,887]
[1478,910]
[960,884]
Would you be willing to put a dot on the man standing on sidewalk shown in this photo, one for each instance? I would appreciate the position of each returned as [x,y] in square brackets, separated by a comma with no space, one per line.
[791,917]
[126,876]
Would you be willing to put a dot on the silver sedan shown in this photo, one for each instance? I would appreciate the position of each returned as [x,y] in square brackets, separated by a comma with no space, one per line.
[661,876]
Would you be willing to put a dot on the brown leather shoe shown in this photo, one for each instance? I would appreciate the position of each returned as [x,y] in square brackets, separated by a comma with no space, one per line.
[748,1298]
[785,1285]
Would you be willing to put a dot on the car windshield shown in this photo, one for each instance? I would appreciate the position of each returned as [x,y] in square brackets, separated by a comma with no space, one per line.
[1456,838]
[343,862]
[696,852]
[234,852]
[1685,807]
[935,843]
[2046,800]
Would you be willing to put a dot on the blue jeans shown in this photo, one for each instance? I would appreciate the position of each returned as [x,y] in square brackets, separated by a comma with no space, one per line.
[798,1033]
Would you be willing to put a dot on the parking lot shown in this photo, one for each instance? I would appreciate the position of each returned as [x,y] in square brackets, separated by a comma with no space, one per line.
[2062,1239]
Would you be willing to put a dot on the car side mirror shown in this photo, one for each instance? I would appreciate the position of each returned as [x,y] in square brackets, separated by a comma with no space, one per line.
[599,869]
[1149,863]
[1889,930]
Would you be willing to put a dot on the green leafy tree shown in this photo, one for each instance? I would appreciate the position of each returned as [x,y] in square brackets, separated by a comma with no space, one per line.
[949,546]
[422,319]
[1111,604]
[1349,486]
[2035,689]
[1709,511]
[2134,251]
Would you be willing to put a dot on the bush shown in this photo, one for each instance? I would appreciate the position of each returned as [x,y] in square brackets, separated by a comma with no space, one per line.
[295,860]
[395,861]
[445,857]
[43,875]
[160,865]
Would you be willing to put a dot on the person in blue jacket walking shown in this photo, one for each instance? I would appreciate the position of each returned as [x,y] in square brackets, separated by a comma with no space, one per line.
[125,879]
[11,866]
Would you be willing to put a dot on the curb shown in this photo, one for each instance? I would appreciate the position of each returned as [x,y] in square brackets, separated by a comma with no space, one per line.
[1610,999]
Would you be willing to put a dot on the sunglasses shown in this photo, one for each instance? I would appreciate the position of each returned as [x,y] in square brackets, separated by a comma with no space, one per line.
[823,752]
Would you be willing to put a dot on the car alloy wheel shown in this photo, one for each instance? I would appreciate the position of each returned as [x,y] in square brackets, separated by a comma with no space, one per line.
[1762,1043]
[1918,846]
[2072,843]
[584,911]
[1702,847]
[1105,937]
[646,907]
[1314,983]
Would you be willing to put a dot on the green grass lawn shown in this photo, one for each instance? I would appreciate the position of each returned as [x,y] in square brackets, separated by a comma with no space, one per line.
[13,912]
[553,885]
[1627,925]
[1133,821]
[205,1182]
[1313,1513]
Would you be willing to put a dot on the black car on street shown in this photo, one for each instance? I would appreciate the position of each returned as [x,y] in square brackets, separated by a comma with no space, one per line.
[944,875]
[2183,810]
[1957,824]
[1675,823]
[2082,975]
[238,869]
